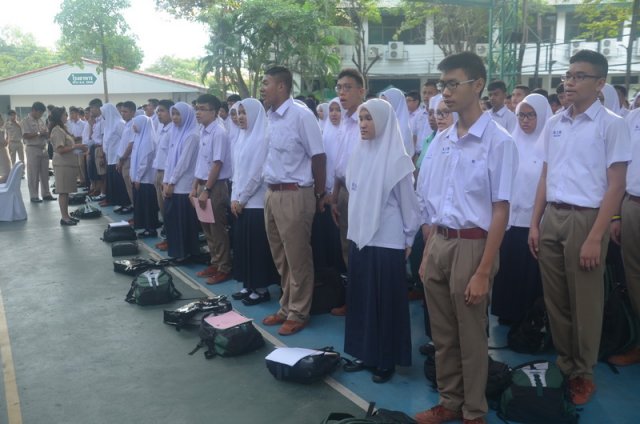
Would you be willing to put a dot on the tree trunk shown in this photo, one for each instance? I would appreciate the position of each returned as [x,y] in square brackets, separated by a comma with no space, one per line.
[103,49]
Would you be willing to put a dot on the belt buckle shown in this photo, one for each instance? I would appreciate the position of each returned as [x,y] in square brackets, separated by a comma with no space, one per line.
[445,232]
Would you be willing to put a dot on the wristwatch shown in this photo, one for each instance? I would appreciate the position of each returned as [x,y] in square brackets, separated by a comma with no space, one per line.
[207,189]
[320,195]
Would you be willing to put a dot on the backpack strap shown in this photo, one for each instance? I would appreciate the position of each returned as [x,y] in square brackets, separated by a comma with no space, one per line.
[130,298]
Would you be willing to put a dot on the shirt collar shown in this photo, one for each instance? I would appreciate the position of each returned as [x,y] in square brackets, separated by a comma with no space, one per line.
[211,127]
[591,112]
[283,107]
[500,111]
[476,130]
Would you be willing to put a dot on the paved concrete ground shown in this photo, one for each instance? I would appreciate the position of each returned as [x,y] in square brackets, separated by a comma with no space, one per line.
[83,355]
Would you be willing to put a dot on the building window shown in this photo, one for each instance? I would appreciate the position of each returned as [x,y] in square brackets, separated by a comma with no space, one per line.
[619,80]
[384,31]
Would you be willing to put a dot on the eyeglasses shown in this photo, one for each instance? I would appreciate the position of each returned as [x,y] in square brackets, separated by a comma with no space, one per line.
[346,88]
[442,114]
[527,115]
[579,77]
[451,85]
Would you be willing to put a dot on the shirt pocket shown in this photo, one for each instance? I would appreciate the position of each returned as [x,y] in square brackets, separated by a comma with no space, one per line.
[475,174]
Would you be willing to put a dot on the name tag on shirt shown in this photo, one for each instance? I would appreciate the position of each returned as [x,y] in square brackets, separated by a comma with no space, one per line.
[556,133]
[354,186]
[446,150]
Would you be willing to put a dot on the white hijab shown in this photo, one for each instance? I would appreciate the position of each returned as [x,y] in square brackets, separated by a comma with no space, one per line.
[112,123]
[251,146]
[325,115]
[635,98]
[543,112]
[611,100]
[374,169]
[188,127]
[144,147]
[399,103]
[234,129]
[331,140]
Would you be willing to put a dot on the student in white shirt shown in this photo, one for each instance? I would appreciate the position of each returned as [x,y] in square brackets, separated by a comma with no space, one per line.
[517,284]
[396,98]
[123,155]
[163,134]
[113,128]
[323,114]
[499,112]
[212,173]
[145,214]
[180,220]
[586,150]
[518,94]
[384,217]
[76,127]
[466,191]
[96,161]
[625,230]
[417,118]
[295,171]
[252,261]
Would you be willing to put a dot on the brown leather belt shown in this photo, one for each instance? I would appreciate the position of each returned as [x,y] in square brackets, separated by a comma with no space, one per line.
[567,206]
[475,233]
[634,198]
[283,187]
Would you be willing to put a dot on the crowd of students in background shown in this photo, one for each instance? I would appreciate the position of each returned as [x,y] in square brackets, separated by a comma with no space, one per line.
[496,200]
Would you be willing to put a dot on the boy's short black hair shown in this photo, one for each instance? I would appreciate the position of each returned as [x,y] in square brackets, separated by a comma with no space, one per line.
[431,83]
[470,63]
[354,74]
[540,91]
[38,107]
[553,98]
[414,95]
[129,105]
[210,100]
[597,60]
[166,103]
[281,74]
[524,88]
[497,85]
[154,102]
[95,103]
[233,98]
[12,112]
[224,106]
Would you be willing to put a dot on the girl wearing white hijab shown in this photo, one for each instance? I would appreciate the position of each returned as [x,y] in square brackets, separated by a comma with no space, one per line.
[517,284]
[325,234]
[145,214]
[611,99]
[253,264]
[113,125]
[383,220]
[180,221]
[399,103]
[323,114]
[233,130]
[636,101]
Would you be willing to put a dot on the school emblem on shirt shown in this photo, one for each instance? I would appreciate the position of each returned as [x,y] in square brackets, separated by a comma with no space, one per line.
[354,186]
[446,150]
[556,133]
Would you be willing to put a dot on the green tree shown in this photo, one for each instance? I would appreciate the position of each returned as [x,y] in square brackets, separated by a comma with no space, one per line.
[97,29]
[185,69]
[19,53]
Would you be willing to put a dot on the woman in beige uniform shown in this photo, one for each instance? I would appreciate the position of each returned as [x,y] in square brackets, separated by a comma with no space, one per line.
[65,161]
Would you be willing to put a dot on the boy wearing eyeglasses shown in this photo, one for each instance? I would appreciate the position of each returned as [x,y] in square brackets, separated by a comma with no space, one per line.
[586,150]
[465,194]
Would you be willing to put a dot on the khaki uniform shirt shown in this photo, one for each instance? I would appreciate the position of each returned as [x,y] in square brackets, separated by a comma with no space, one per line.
[14,132]
[30,126]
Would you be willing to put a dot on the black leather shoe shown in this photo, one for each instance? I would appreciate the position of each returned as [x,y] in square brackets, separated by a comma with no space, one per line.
[36,200]
[240,295]
[64,222]
[76,220]
[427,349]
[49,198]
[382,376]
[249,301]
[354,366]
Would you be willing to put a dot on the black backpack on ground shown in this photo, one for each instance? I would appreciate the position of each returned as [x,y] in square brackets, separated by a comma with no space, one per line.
[498,379]
[124,248]
[87,211]
[233,341]
[307,370]
[191,314]
[152,287]
[328,291]
[119,232]
[620,325]
[77,198]
[381,416]
[532,333]
[538,394]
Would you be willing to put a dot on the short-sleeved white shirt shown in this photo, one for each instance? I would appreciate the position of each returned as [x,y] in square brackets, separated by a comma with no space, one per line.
[214,146]
[464,176]
[164,136]
[578,151]
[504,117]
[633,171]
[294,138]
[349,138]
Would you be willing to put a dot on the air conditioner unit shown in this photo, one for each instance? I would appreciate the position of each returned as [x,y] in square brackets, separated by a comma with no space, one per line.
[373,52]
[608,42]
[609,47]
[396,50]
[609,51]
[482,50]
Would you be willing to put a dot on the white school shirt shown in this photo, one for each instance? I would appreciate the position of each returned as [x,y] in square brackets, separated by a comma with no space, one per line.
[530,159]
[504,117]
[464,176]
[76,128]
[420,126]
[127,137]
[164,135]
[349,137]
[249,188]
[141,160]
[112,144]
[633,170]
[294,138]
[578,151]
[400,217]
[86,139]
[98,132]
[180,166]
[331,144]
[214,146]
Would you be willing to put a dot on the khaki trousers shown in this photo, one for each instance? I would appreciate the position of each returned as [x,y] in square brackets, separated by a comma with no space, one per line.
[343,223]
[459,330]
[288,216]
[126,176]
[216,234]
[37,171]
[159,196]
[574,298]
[82,172]
[630,237]
[16,149]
